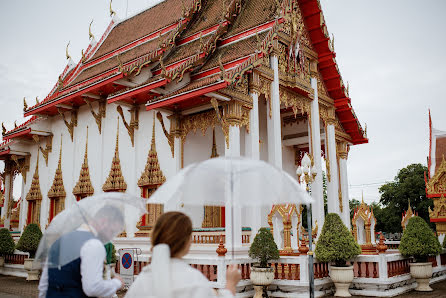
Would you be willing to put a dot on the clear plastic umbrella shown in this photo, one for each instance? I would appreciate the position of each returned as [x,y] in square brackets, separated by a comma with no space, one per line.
[104,215]
[234,182]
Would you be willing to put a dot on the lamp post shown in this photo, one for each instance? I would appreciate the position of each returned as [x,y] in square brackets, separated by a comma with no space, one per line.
[307,171]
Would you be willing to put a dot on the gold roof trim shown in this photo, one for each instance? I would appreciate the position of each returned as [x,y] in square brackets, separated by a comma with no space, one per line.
[152,174]
[57,190]
[83,185]
[115,181]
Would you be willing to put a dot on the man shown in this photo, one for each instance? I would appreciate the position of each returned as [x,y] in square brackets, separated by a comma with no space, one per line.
[82,275]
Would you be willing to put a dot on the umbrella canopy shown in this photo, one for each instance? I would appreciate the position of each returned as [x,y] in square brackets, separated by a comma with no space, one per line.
[103,215]
[240,182]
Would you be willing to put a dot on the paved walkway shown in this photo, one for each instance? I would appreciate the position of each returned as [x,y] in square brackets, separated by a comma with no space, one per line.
[18,287]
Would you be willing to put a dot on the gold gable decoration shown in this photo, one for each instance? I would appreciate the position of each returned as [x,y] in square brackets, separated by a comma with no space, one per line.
[115,181]
[152,175]
[286,212]
[436,190]
[57,190]
[83,187]
[437,184]
[34,193]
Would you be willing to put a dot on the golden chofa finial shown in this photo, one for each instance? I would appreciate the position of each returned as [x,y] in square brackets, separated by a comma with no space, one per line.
[90,35]
[3,128]
[25,105]
[66,51]
[112,12]
[37,100]
[15,124]
[83,56]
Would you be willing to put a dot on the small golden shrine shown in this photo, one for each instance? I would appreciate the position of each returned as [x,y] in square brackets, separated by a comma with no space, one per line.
[34,198]
[15,215]
[57,193]
[406,216]
[436,190]
[151,178]
[115,181]
[286,213]
[83,187]
[364,222]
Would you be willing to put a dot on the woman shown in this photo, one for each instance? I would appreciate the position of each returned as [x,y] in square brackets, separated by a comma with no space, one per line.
[168,275]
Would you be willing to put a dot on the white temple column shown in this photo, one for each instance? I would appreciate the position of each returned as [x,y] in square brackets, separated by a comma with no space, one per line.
[316,187]
[233,216]
[273,119]
[23,207]
[343,155]
[252,150]
[8,198]
[332,183]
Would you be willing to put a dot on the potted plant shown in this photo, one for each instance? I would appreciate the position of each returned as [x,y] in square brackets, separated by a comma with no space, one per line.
[6,245]
[28,242]
[264,249]
[419,242]
[337,245]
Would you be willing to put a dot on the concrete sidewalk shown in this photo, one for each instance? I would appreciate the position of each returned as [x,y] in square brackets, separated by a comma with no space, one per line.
[18,287]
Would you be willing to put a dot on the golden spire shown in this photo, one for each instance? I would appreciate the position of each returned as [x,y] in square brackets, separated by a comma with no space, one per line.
[90,35]
[112,12]
[152,174]
[115,181]
[57,190]
[83,186]
[66,52]
[34,192]
[214,145]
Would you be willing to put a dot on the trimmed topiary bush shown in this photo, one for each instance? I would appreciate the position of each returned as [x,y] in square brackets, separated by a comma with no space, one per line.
[264,248]
[336,243]
[7,244]
[444,242]
[29,241]
[419,241]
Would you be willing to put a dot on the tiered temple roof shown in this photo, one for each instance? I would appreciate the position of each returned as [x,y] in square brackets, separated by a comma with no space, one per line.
[174,53]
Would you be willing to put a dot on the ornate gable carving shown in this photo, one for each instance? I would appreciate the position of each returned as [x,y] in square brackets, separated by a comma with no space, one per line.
[83,186]
[437,184]
[152,174]
[115,181]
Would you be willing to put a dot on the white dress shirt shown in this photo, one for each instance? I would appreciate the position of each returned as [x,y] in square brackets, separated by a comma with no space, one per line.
[92,255]
[185,281]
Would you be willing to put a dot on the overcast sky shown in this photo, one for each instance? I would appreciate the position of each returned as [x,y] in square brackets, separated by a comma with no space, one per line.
[391,53]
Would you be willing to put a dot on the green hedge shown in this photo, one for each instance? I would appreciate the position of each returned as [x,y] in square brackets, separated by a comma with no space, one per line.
[419,241]
[7,244]
[29,241]
[336,243]
[264,248]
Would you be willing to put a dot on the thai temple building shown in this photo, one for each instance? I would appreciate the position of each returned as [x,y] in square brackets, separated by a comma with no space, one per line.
[436,178]
[189,80]
[179,83]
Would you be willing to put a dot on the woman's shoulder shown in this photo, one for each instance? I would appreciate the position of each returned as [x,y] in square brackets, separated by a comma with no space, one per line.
[187,271]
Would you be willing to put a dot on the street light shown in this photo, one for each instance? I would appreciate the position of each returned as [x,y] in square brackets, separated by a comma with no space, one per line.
[309,173]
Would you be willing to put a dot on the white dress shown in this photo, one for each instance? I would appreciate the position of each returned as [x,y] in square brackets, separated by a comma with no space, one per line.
[184,282]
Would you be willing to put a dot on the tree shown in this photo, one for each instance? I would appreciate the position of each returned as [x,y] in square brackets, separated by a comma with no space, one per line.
[263,248]
[408,186]
[353,204]
[29,241]
[336,243]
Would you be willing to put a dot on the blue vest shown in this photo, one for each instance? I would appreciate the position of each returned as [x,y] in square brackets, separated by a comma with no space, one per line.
[66,281]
